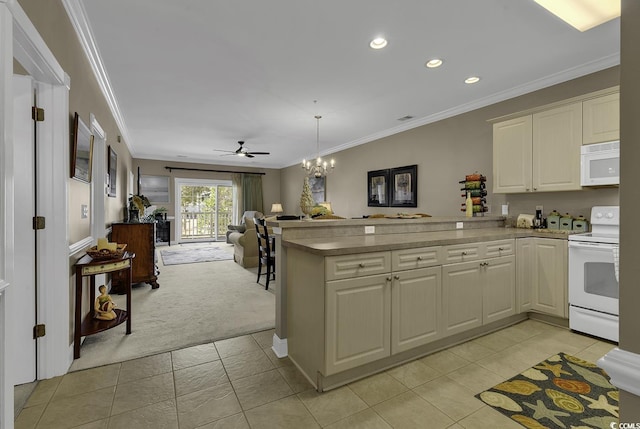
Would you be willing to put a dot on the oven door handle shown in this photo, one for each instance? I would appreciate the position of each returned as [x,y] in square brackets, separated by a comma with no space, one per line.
[589,245]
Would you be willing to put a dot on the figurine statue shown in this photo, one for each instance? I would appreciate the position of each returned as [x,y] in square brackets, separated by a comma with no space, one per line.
[104,305]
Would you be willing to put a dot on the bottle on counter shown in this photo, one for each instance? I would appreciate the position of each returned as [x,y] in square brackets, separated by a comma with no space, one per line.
[469,205]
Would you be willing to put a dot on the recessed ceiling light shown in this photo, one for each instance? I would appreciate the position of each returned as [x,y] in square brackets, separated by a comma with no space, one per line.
[583,14]
[378,43]
[472,79]
[436,62]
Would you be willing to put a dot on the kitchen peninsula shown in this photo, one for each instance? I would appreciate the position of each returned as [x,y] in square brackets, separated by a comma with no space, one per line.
[350,303]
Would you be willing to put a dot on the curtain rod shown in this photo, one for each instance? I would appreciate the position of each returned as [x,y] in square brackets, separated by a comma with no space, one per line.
[213,171]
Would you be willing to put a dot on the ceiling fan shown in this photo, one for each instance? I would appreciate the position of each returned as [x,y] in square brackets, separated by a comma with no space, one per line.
[241,151]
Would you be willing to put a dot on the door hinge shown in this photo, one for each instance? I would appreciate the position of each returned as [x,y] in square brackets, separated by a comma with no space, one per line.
[39,331]
[38,222]
[37,114]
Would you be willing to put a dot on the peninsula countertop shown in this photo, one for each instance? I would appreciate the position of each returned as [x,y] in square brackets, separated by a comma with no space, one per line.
[345,245]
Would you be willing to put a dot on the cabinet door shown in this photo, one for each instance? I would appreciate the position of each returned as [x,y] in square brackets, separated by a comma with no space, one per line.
[557,138]
[601,119]
[461,297]
[358,322]
[524,274]
[415,308]
[499,295]
[512,151]
[550,276]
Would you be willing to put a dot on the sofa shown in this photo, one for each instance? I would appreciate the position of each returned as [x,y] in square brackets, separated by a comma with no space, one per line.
[245,241]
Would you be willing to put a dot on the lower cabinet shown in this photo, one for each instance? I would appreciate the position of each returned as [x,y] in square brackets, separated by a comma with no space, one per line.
[542,275]
[358,321]
[477,292]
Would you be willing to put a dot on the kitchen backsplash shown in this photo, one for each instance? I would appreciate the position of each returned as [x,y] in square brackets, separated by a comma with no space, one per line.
[575,203]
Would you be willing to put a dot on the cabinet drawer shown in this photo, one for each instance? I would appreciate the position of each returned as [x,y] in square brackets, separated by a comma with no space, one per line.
[495,249]
[421,257]
[361,264]
[462,253]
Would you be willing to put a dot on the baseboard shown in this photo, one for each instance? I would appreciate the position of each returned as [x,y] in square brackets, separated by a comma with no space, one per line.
[280,347]
[624,369]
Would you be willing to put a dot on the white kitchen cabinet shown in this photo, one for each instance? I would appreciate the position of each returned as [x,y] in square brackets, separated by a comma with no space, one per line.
[478,292]
[415,308]
[512,152]
[538,152]
[358,321]
[557,138]
[498,288]
[461,297]
[542,275]
[601,119]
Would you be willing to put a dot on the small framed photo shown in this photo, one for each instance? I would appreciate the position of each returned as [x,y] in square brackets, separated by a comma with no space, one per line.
[378,188]
[404,186]
[112,169]
[81,150]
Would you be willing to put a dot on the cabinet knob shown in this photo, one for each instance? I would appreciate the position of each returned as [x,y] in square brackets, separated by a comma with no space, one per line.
[464,253]
[396,277]
[388,279]
[527,189]
[361,265]
[535,189]
[419,258]
[500,249]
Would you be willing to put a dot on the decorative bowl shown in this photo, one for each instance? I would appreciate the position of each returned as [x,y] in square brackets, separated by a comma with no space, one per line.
[103,254]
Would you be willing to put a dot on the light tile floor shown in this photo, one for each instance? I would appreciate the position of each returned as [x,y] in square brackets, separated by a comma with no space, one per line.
[240,383]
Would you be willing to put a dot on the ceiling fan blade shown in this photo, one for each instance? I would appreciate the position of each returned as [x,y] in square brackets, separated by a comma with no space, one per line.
[248,155]
[259,153]
[226,151]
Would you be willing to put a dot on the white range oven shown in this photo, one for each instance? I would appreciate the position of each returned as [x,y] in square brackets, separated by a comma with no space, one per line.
[593,275]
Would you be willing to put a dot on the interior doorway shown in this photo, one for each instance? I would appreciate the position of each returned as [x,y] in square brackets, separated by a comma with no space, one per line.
[204,209]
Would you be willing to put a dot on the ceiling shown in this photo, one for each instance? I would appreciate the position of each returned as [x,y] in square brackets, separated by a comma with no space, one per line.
[187,77]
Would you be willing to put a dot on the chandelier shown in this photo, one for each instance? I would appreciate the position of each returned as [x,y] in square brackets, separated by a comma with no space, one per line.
[320,168]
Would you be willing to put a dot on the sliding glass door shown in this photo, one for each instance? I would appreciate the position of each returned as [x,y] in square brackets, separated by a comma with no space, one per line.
[204,209]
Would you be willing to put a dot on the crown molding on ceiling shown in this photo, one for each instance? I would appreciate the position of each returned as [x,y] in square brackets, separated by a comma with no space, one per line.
[78,17]
[556,78]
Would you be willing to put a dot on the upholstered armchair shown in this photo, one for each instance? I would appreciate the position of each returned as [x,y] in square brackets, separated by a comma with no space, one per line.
[245,243]
[242,227]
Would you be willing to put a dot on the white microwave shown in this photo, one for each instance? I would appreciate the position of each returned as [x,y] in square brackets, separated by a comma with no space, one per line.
[600,164]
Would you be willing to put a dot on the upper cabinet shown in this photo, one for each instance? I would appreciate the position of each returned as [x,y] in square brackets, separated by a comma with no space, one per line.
[601,119]
[539,150]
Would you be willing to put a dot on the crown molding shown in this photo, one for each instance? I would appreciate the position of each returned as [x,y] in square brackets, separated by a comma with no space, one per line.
[553,79]
[78,16]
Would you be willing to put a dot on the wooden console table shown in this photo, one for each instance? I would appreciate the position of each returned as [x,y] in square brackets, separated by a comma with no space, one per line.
[87,267]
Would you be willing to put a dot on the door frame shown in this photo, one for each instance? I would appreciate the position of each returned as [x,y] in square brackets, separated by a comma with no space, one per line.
[20,40]
[178,182]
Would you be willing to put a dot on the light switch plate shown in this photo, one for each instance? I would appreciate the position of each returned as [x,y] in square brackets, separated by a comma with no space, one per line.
[370,229]
[84,211]
[459,225]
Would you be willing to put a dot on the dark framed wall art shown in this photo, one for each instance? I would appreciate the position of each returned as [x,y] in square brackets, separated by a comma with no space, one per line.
[155,188]
[112,168]
[404,186]
[317,185]
[81,150]
[378,188]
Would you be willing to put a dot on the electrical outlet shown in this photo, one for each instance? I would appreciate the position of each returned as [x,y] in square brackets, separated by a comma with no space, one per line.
[370,229]
[459,225]
[505,210]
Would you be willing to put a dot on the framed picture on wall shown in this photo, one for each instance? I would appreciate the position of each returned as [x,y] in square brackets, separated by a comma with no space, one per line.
[404,186]
[317,185]
[112,168]
[81,150]
[378,188]
[155,188]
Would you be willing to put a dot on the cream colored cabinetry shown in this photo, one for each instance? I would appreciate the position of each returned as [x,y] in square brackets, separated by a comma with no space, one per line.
[601,119]
[538,152]
[415,308]
[358,318]
[557,138]
[542,276]
[481,290]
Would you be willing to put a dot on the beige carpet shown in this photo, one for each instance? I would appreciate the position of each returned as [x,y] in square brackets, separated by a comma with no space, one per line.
[195,304]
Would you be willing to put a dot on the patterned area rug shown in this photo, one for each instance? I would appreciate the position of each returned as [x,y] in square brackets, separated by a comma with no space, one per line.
[194,255]
[560,392]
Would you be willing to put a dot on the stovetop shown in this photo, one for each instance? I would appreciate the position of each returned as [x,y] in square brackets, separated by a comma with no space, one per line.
[605,226]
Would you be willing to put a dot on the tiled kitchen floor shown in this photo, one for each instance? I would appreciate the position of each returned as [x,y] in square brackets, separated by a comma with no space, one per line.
[240,383]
